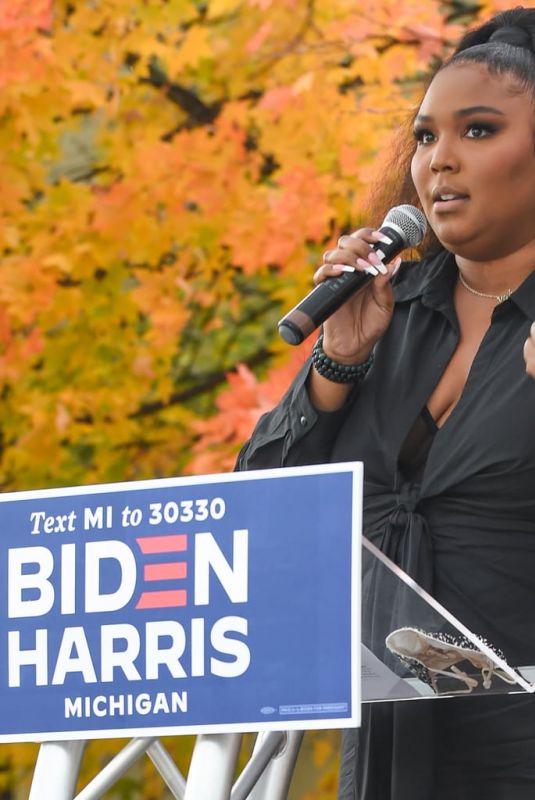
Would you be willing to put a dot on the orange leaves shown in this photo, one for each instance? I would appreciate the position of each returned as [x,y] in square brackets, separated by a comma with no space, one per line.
[14,187]
[430,38]
[24,53]
[297,210]
[263,5]
[255,43]
[26,289]
[239,408]
[85,94]
[304,203]
[418,27]
[170,177]
[24,57]
[112,212]
[26,15]
[17,351]
[278,100]
[160,297]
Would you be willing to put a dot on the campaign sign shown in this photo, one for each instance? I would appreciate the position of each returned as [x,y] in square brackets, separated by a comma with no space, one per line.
[188,605]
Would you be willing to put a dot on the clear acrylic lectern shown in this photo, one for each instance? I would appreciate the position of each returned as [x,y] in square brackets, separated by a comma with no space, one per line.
[412,649]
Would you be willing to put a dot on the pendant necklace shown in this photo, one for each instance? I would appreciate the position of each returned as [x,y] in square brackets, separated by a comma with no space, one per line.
[499,297]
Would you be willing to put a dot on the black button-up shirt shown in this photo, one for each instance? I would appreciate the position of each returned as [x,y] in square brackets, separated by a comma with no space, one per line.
[467,531]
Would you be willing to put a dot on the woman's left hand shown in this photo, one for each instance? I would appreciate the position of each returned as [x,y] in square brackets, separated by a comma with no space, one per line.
[529,352]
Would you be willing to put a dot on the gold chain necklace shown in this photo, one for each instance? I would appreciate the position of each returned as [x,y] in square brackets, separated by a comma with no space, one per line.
[499,297]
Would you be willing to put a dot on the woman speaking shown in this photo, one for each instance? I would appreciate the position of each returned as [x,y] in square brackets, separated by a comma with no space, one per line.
[439,404]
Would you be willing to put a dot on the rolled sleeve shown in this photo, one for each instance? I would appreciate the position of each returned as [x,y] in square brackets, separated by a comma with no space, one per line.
[292,434]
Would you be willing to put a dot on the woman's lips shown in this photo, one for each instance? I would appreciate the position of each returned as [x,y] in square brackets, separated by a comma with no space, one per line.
[441,206]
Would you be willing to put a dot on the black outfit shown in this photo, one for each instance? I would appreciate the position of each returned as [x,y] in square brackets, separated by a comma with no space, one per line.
[455,508]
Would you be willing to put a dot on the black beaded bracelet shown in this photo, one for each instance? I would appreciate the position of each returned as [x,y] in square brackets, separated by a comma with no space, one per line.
[336,372]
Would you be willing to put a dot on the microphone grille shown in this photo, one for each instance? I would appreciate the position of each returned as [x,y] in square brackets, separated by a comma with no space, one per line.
[410,220]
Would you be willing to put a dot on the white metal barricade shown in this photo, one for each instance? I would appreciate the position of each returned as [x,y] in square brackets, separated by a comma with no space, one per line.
[211,775]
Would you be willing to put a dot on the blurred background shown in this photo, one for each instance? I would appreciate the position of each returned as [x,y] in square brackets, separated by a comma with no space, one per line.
[170,173]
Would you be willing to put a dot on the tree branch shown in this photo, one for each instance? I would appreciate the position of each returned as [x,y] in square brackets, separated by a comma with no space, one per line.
[210,382]
[199,113]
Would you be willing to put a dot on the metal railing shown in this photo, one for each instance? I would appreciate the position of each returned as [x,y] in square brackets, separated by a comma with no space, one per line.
[211,775]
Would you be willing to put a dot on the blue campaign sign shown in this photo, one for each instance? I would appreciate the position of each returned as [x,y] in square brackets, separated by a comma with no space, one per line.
[216,603]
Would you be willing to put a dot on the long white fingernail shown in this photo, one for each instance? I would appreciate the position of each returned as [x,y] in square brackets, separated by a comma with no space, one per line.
[371,270]
[381,237]
[397,265]
[344,268]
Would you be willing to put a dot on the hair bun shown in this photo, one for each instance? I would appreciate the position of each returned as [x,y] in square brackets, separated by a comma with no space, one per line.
[513,35]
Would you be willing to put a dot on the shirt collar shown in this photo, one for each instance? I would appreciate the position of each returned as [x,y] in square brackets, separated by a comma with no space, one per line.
[524,296]
[434,277]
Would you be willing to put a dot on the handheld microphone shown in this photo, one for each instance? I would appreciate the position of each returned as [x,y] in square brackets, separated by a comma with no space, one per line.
[404,225]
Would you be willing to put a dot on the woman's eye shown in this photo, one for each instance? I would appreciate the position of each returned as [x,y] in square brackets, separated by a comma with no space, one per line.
[478,131]
[423,136]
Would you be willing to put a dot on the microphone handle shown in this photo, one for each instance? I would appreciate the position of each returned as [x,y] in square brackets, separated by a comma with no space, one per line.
[319,304]
[330,294]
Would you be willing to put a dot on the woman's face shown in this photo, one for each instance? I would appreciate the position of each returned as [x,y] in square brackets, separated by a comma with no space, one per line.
[474,165]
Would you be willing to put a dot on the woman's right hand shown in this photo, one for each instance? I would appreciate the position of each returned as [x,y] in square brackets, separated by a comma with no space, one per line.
[350,334]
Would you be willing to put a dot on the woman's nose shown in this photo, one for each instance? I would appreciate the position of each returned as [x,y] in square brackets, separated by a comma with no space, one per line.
[444,157]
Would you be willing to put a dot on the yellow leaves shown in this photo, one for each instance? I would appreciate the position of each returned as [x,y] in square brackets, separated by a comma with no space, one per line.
[389,41]
[490,7]
[25,289]
[255,43]
[11,237]
[125,223]
[160,299]
[304,83]
[62,419]
[119,280]
[149,47]
[322,750]
[17,351]
[59,261]
[219,8]
[85,94]
[195,47]
[297,210]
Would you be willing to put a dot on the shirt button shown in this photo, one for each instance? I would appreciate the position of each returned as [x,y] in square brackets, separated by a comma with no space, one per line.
[304,421]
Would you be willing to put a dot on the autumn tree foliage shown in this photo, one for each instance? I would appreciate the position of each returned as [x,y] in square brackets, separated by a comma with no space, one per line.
[171,171]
